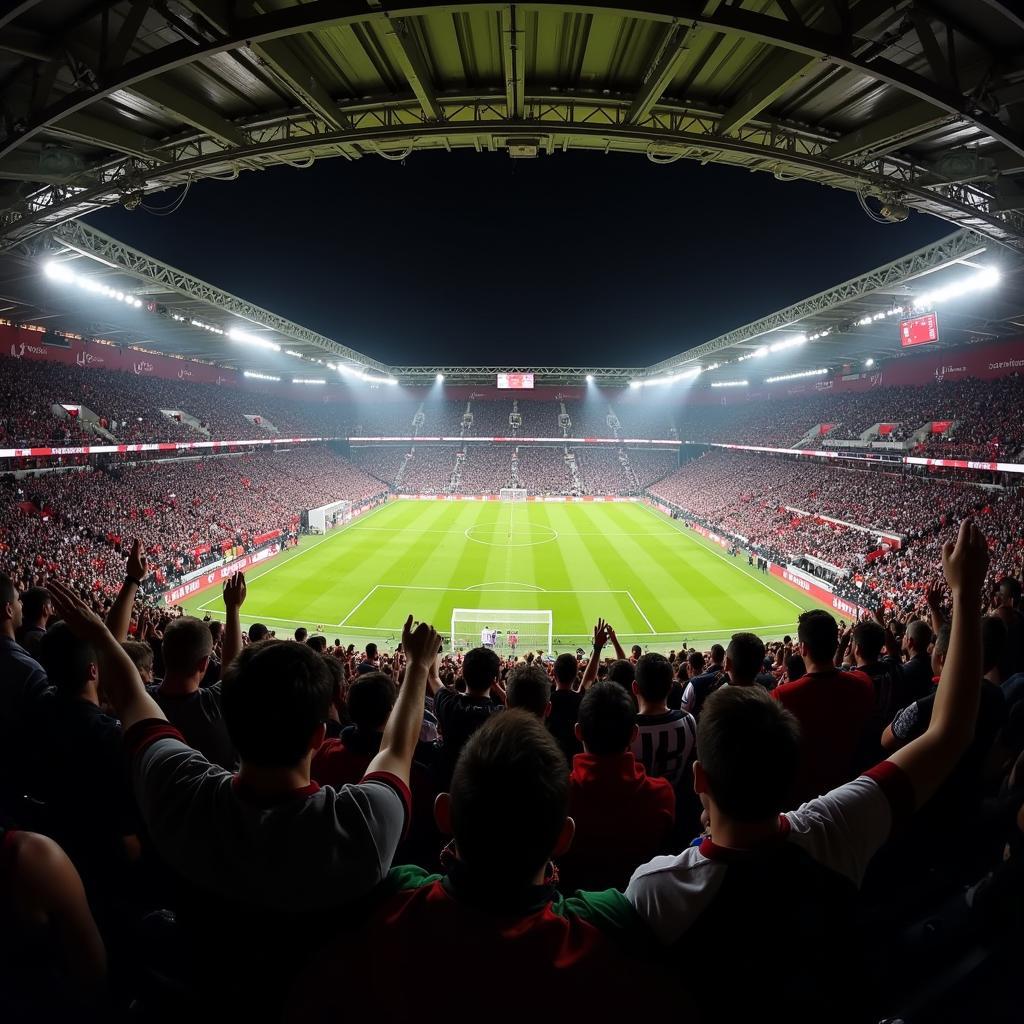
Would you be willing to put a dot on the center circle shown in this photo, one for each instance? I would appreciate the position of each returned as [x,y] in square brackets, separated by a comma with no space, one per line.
[495,535]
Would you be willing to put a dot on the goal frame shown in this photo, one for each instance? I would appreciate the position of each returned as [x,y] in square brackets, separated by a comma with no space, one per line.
[512,494]
[540,619]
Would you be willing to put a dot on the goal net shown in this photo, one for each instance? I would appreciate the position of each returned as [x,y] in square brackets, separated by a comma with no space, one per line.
[508,630]
[328,516]
[512,494]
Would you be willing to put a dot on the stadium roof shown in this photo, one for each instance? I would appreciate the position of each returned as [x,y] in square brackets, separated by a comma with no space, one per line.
[917,105]
[180,315]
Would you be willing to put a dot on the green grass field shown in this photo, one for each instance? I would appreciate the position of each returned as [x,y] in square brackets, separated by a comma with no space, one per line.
[655,582]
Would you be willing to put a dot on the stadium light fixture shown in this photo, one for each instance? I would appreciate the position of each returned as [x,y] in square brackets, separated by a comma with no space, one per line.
[236,334]
[987,278]
[869,362]
[795,376]
[439,377]
[59,272]
[259,376]
[308,380]
[670,379]
[730,383]
[590,378]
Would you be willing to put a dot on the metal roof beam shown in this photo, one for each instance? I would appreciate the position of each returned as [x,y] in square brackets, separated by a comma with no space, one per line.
[409,57]
[890,129]
[778,76]
[953,248]
[105,133]
[89,242]
[513,62]
[671,55]
[197,114]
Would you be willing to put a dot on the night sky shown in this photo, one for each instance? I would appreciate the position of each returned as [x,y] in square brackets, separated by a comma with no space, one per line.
[577,258]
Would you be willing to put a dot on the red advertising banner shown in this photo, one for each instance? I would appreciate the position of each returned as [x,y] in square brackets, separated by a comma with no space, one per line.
[919,330]
[822,594]
[218,575]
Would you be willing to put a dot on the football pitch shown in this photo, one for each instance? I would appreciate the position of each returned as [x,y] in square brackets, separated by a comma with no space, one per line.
[657,583]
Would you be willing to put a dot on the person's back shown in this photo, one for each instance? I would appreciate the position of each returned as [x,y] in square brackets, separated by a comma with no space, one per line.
[665,738]
[701,685]
[83,777]
[565,706]
[622,816]
[833,708]
[193,709]
[460,715]
[494,910]
[343,761]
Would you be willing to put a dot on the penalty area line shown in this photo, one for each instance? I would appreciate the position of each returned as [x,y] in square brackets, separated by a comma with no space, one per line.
[358,606]
[641,611]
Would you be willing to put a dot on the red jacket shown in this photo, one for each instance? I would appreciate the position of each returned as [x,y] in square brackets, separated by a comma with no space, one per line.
[623,819]
[833,709]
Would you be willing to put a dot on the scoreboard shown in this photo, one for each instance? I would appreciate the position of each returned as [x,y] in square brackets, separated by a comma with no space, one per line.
[920,330]
[515,381]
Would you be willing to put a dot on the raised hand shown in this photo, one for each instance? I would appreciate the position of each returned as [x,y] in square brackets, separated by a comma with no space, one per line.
[965,562]
[420,644]
[137,566]
[234,591]
[601,632]
[933,593]
[81,619]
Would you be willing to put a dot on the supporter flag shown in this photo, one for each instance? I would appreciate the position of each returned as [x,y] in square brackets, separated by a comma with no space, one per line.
[886,428]
[941,426]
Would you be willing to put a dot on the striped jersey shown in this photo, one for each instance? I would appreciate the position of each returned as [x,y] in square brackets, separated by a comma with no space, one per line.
[665,744]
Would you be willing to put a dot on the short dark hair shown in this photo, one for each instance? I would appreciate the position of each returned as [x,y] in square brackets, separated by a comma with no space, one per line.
[796,667]
[606,718]
[274,695]
[528,688]
[371,651]
[920,633]
[654,677]
[258,632]
[509,797]
[717,653]
[317,642]
[820,632]
[66,659]
[186,642]
[749,747]
[941,645]
[994,637]
[566,668]
[1008,586]
[139,651]
[623,673]
[33,601]
[480,668]
[696,660]
[746,655]
[8,591]
[636,649]
[869,636]
[301,633]
[370,700]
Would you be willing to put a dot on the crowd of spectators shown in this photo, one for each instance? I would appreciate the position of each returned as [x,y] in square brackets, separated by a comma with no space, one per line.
[381,461]
[542,470]
[192,511]
[197,820]
[430,469]
[772,504]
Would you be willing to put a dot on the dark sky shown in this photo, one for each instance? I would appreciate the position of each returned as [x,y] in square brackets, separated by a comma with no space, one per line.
[577,258]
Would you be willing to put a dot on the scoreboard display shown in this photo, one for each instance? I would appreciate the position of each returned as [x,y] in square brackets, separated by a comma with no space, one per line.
[515,381]
[920,330]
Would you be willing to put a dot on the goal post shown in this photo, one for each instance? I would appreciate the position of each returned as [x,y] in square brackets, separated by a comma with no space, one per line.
[513,630]
[512,494]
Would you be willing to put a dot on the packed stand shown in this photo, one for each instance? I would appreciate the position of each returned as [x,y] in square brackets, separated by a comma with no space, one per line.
[383,462]
[191,511]
[542,470]
[604,823]
[429,471]
[651,466]
[486,469]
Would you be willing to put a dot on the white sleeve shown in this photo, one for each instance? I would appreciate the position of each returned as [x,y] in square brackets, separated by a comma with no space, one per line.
[688,698]
[843,829]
